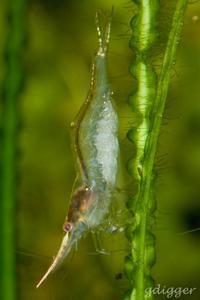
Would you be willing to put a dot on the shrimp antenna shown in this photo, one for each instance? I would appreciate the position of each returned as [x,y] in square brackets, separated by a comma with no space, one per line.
[103,31]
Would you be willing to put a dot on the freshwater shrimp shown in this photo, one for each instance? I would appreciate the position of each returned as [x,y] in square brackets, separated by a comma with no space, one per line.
[95,142]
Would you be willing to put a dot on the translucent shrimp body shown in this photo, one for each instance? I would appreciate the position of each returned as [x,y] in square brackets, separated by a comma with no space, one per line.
[99,143]
[96,147]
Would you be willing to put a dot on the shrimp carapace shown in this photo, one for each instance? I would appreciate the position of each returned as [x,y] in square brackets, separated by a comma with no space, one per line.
[82,202]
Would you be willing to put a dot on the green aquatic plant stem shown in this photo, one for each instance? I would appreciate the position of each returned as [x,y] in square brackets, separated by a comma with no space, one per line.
[144,34]
[11,89]
[138,265]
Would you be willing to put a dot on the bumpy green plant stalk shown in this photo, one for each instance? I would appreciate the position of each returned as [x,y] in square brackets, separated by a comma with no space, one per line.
[11,90]
[149,101]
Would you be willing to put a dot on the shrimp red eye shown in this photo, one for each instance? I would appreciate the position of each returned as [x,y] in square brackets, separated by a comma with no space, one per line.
[67,227]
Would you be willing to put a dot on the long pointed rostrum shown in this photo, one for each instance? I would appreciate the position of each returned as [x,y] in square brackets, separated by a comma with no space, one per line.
[65,247]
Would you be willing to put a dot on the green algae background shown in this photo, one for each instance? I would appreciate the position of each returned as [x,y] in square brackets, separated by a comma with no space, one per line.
[57,54]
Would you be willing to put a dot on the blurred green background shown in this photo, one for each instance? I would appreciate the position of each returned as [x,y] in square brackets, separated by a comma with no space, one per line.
[60,42]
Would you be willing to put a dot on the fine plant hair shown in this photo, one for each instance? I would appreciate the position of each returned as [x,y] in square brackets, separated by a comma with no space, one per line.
[148,101]
[11,90]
